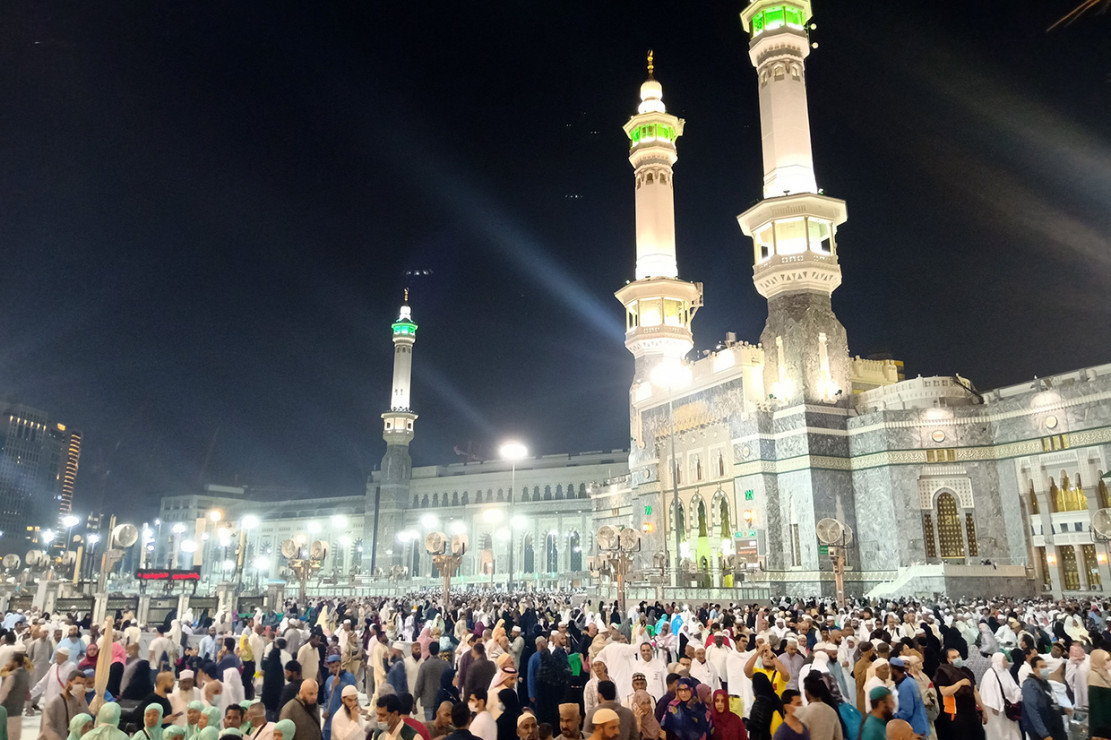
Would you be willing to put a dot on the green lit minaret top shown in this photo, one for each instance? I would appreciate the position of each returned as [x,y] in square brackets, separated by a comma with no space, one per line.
[771,15]
[404,326]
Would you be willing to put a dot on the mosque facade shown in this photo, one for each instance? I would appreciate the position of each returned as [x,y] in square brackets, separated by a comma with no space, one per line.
[755,468]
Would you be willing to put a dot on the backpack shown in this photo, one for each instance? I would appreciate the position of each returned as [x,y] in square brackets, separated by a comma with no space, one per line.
[851,719]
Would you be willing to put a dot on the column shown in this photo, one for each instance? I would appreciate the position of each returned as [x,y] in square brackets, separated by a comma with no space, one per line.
[1046,508]
[1103,550]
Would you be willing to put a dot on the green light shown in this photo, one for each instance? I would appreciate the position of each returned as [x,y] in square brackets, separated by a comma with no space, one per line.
[648,511]
[748,495]
[652,132]
[778,16]
[404,328]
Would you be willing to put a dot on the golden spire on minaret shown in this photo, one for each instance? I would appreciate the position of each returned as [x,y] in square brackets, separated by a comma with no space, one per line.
[651,64]
[406,295]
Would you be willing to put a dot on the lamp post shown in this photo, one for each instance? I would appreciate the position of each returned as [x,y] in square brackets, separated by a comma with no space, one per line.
[513,452]
[673,375]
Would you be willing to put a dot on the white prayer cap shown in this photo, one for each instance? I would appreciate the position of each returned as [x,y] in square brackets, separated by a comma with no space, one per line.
[186,674]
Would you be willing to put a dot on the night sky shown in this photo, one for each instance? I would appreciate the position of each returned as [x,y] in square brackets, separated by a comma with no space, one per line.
[207,210]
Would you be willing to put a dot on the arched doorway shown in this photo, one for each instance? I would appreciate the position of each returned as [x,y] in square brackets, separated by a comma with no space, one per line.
[576,552]
[949,527]
[528,558]
[551,549]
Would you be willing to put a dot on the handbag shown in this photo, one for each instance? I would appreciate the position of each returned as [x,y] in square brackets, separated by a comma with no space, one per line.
[1012,710]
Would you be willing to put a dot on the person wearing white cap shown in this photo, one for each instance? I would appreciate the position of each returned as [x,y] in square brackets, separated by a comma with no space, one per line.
[185,692]
[348,723]
[881,670]
[54,682]
[607,724]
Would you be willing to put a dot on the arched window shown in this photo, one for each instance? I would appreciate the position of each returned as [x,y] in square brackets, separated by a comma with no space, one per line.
[559,492]
[529,555]
[697,467]
[584,494]
[455,498]
[536,493]
[435,499]
[1069,497]
[1033,500]
[721,465]
[680,520]
[701,519]
[576,552]
[466,498]
[552,554]
[949,527]
[424,502]
[547,493]
[726,530]
[1104,496]
[501,495]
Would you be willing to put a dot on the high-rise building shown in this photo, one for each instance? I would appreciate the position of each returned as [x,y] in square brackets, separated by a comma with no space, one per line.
[39,460]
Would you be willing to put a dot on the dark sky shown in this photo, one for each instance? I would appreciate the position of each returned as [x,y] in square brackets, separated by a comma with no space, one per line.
[207,210]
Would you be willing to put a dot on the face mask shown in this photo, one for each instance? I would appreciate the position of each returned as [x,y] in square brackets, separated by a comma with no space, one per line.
[384,726]
[957,662]
[77,691]
[1044,673]
[472,706]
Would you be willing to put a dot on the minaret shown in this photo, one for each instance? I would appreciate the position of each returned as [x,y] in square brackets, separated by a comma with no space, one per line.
[392,491]
[794,228]
[658,305]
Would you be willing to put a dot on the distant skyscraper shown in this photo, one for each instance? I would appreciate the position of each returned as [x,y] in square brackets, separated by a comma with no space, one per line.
[38,469]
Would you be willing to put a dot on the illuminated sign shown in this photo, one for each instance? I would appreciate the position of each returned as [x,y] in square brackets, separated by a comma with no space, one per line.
[162,574]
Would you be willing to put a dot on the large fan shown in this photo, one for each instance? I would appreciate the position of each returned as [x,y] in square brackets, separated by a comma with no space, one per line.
[319,550]
[11,562]
[69,557]
[1101,523]
[36,558]
[830,531]
[630,539]
[434,542]
[459,544]
[289,549]
[125,535]
[607,537]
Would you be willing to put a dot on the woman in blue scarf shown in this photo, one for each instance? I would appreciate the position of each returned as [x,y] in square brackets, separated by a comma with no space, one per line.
[686,718]
[152,724]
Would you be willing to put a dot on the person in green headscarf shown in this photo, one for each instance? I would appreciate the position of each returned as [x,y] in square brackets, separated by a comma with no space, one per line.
[208,733]
[193,712]
[245,726]
[284,729]
[173,732]
[230,732]
[152,724]
[79,725]
[107,724]
[210,717]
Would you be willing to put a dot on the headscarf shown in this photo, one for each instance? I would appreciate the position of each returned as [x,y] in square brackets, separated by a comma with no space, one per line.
[687,720]
[1099,676]
[173,732]
[649,727]
[425,640]
[89,661]
[727,725]
[447,692]
[993,692]
[511,710]
[214,716]
[77,724]
[155,732]
[233,688]
[107,724]
[286,728]
[191,730]
[705,694]
[762,687]
[140,685]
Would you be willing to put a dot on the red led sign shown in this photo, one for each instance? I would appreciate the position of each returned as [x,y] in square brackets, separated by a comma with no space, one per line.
[193,574]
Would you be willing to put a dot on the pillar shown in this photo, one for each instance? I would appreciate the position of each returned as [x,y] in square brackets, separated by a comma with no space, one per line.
[1045,506]
[964,532]
[143,609]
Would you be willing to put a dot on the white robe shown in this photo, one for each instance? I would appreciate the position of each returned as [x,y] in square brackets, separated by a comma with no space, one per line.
[344,728]
[995,685]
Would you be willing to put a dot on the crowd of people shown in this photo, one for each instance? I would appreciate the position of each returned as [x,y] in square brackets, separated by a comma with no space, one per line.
[538,665]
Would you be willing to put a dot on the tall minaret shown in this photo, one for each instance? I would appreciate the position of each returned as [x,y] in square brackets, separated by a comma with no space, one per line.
[806,356]
[392,491]
[658,305]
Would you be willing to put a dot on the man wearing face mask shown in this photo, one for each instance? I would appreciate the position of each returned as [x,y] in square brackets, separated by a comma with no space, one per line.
[483,725]
[390,725]
[961,708]
[64,706]
[1041,715]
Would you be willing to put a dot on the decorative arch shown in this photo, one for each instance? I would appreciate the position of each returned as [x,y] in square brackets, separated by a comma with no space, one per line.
[584,494]
[424,502]
[547,493]
[435,499]
[416,502]
[466,498]
[536,493]
[455,498]
[1104,497]
[1033,498]
[559,492]
[551,552]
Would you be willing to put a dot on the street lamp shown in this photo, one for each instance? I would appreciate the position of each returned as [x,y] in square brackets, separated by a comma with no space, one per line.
[673,375]
[514,452]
